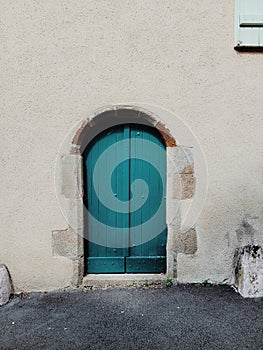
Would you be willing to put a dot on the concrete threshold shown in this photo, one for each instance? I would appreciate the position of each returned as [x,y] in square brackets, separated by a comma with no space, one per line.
[94,281]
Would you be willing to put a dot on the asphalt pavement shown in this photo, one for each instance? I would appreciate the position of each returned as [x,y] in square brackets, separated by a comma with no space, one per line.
[179,317]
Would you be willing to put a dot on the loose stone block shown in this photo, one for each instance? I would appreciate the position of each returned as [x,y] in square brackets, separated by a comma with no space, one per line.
[249,271]
[5,285]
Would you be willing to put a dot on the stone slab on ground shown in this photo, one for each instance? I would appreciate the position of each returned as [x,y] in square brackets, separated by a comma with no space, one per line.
[5,285]
[94,281]
[249,271]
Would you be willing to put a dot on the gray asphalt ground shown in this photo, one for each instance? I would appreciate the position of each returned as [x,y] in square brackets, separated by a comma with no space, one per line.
[179,317]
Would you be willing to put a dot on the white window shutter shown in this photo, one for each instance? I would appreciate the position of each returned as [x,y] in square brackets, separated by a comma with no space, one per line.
[249,23]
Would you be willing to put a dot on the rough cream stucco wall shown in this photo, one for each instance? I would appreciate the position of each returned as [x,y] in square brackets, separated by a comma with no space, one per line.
[61,60]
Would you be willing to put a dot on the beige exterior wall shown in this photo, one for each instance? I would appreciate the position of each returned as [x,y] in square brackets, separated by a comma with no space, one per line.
[61,61]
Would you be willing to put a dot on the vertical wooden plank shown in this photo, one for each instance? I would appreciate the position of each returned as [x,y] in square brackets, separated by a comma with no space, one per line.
[121,187]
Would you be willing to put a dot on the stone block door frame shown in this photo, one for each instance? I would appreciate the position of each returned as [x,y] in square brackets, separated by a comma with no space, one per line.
[180,180]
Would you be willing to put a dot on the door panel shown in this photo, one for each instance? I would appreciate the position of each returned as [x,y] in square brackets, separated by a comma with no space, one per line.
[150,256]
[105,264]
[105,259]
[145,264]
[138,189]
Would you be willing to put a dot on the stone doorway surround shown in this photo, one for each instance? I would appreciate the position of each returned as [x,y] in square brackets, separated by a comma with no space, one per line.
[180,181]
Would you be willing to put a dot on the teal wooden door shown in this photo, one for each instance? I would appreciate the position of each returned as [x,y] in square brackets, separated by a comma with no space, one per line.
[125,186]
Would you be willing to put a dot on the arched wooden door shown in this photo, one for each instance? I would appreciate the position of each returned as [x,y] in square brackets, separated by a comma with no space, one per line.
[125,186]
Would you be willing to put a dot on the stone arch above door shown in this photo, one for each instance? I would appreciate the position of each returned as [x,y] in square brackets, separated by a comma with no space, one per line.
[104,119]
[69,185]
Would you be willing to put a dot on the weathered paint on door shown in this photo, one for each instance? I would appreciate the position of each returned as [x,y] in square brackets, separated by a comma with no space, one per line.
[132,209]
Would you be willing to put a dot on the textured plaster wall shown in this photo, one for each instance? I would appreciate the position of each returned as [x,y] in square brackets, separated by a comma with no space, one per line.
[61,60]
